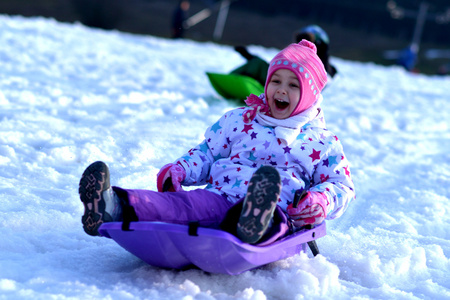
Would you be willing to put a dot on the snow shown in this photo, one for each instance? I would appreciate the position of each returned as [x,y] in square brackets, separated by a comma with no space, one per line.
[70,95]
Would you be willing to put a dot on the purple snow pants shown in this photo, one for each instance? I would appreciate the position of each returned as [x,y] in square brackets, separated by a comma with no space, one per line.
[207,208]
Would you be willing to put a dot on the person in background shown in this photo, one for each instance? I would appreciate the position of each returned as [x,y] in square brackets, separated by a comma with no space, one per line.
[178,18]
[319,37]
[255,67]
[408,58]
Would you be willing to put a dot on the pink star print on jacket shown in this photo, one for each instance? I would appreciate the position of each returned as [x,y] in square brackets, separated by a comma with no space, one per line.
[233,150]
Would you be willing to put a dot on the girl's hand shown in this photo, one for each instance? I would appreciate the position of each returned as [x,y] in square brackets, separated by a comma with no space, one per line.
[169,178]
[311,210]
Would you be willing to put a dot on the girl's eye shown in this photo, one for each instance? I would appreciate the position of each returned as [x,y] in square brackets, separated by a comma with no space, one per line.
[294,85]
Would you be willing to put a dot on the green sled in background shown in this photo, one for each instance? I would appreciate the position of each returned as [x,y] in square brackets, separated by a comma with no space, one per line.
[235,87]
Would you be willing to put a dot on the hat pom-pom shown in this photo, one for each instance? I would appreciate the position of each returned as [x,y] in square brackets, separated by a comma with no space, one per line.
[308,44]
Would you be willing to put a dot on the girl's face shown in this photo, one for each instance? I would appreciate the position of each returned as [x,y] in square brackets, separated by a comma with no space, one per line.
[283,93]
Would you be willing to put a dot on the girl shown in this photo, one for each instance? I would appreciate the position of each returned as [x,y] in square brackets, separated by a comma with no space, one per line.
[253,160]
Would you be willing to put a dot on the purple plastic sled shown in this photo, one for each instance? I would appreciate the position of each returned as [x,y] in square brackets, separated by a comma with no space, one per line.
[215,251]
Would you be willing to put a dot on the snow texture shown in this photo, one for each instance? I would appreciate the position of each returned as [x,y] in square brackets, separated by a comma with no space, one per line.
[71,95]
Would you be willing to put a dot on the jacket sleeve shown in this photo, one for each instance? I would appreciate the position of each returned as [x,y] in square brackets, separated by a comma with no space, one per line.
[197,162]
[333,178]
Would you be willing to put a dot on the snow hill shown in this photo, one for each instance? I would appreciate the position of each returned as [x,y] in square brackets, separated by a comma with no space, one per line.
[70,95]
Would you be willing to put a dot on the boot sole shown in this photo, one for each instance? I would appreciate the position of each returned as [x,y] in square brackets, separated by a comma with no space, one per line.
[259,204]
[93,182]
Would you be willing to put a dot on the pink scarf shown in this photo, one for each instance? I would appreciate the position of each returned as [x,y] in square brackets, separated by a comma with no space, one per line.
[287,129]
[256,104]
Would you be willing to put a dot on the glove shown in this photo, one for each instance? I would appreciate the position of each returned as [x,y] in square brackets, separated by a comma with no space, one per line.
[311,210]
[169,178]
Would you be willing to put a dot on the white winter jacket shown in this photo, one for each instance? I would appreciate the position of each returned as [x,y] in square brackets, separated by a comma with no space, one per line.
[233,150]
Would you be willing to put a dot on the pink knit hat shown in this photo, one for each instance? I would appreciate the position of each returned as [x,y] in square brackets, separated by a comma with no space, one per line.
[301,59]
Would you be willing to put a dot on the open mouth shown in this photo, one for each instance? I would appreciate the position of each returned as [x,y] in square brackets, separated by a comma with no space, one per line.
[281,104]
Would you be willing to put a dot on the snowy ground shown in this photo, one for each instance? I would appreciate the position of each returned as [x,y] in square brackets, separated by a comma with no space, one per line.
[70,95]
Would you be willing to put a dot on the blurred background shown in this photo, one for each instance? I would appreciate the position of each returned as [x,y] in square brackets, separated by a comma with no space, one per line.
[378,31]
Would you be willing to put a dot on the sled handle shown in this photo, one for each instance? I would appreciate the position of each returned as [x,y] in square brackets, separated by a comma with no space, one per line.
[167,184]
[312,244]
[299,194]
